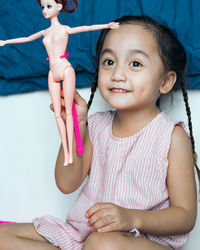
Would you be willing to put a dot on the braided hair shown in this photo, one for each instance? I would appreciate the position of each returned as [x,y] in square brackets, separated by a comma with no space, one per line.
[188,111]
[173,57]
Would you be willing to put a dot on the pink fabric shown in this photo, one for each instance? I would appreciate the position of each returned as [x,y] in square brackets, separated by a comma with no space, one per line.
[130,172]
[4,222]
[66,55]
[79,148]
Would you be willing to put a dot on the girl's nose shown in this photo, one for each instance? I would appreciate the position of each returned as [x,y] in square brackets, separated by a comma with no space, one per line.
[119,75]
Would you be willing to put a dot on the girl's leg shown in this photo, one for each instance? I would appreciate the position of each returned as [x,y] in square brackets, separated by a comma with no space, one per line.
[119,241]
[69,90]
[22,236]
[55,93]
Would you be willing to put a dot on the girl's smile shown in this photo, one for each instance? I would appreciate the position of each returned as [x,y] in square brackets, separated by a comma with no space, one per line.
[119,91]
[130,70]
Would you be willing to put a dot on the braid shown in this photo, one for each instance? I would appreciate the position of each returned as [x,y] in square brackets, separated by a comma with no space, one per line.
[185,97]
[93,90]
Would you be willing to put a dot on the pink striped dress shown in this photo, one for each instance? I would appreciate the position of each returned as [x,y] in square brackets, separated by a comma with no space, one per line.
[130,172]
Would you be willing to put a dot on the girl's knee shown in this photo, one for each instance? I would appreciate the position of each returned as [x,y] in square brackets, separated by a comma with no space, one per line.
[4,230]
[101,241]
[4,237]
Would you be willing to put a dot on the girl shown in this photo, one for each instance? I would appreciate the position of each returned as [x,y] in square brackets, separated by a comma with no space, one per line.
[141,191]
[55,41]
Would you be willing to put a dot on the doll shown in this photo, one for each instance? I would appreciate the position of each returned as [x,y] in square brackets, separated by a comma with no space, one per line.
[55,41]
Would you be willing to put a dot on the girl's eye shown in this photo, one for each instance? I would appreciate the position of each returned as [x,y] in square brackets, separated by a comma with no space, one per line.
[108,62]
[49,6]
[42,7]
[135,64]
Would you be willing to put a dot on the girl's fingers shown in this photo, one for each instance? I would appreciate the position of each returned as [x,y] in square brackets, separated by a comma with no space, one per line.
[62,104]
[107,228]
[105,221]
[95,208]
[62,93]
[79,99]
[51,107]
[99,215]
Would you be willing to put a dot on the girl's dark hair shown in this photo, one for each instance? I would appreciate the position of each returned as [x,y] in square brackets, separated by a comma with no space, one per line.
[65,4]
[171,52]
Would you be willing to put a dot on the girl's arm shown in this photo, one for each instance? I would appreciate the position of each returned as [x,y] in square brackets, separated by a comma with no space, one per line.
[179,218]
[79,29]
[22,39]
[69,178]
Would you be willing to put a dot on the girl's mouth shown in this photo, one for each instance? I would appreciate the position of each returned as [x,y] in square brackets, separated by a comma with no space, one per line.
[119,90]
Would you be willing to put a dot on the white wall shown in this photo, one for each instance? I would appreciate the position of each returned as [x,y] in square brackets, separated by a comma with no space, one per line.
[29,142]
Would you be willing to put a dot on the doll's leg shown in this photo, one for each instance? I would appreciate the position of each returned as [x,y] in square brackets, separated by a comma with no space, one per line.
[69,90]
[22,236]
[55,93]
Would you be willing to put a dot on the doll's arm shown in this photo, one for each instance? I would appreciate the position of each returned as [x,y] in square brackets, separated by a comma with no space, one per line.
[22,39]
[79,29]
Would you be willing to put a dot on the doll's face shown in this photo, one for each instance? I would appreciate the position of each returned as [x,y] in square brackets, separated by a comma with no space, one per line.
[50,8]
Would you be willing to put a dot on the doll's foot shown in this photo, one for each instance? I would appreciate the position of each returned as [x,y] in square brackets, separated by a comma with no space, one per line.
[66,161]
[70,159]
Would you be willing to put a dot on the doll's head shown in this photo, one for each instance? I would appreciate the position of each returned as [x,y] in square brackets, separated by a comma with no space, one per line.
[170,50]
[67,5]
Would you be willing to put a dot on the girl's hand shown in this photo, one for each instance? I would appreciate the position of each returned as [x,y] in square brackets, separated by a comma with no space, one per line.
[113,25]
[81,108]
[2,42]
[107,217]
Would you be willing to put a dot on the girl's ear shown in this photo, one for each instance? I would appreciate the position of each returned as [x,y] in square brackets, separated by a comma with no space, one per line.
[168,82]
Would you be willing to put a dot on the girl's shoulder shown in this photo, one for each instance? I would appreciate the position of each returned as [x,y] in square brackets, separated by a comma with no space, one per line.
[165,132]
[99,121]
[106,115]
[166,121]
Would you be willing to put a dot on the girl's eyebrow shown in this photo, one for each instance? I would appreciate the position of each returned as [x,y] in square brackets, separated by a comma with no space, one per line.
[138,51]
[107,51]
[132,51]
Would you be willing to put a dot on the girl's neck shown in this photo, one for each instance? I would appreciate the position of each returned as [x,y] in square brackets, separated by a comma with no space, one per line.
[127,123]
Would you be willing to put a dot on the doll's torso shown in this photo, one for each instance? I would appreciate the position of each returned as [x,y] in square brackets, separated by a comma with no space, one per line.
[55,41]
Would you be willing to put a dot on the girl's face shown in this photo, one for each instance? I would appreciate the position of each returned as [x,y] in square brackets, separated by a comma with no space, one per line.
[50,8]
[130,68]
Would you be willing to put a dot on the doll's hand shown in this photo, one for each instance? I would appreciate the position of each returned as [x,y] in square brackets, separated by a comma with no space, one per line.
[2,42]
[107,217]
[113,25]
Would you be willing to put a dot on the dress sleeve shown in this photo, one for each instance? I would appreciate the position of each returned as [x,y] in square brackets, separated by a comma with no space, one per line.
[92,124]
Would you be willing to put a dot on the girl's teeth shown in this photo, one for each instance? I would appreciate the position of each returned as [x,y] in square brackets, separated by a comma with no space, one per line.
[119,90]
